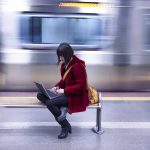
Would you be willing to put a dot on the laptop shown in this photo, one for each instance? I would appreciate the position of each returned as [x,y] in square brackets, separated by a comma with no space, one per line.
[47,93]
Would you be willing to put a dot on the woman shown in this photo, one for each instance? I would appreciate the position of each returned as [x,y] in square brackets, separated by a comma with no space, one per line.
[73,85]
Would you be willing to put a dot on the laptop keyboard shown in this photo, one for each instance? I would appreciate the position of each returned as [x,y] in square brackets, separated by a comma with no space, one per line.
[52,94]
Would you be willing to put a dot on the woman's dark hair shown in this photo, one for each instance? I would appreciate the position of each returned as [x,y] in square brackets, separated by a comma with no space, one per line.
[65,50]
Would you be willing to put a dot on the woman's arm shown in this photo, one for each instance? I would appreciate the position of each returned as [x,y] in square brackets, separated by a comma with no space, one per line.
[60,84]
[81,81]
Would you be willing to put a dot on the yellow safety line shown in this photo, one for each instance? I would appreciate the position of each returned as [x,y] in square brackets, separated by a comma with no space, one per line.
[126,98]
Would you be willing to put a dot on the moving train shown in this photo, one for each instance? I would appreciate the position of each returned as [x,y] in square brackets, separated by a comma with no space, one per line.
[111,36]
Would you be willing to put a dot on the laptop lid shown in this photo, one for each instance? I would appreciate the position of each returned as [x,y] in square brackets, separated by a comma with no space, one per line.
[42,89]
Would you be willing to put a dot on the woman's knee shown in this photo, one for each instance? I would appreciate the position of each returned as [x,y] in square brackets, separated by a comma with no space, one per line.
[42,98]
[39,96]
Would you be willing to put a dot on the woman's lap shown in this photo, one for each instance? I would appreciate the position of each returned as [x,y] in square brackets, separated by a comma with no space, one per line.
[57,101]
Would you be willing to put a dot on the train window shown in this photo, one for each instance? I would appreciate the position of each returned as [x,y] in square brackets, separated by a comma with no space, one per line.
[25,35]
[36,30]
[85,31]
[54,30]
[73,30]
[30,30]
[147,32]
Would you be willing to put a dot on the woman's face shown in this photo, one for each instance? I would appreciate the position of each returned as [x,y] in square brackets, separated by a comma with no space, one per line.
[62,59]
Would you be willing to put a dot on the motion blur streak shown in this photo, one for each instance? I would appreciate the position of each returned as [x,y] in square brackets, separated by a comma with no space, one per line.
[113,41]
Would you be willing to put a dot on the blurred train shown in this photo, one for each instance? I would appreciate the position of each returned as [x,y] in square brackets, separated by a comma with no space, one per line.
[112,36]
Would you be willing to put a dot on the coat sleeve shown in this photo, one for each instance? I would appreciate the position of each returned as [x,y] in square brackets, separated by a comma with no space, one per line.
[60,84]
[80,81]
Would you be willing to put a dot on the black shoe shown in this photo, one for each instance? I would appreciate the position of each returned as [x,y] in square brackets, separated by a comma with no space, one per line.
[63,114]
[64,132]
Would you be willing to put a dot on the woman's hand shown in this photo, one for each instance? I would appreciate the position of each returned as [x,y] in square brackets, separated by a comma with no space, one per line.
[60,91]
[54,89]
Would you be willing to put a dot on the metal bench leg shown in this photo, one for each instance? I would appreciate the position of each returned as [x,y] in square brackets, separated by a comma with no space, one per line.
[98,128]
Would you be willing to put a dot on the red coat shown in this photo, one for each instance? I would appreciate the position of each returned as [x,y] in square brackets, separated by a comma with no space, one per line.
[75,85]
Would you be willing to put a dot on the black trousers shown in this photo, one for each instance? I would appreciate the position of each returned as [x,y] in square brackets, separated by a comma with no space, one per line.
[54,104]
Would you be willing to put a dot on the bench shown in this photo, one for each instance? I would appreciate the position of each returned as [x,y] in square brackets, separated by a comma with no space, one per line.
[32,102]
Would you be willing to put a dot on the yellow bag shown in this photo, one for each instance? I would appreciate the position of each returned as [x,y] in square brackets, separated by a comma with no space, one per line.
[93,95]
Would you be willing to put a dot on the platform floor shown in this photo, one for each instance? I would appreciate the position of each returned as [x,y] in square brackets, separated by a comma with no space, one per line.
[126,125]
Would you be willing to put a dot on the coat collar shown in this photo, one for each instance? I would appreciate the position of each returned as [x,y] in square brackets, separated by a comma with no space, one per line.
[75,60]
